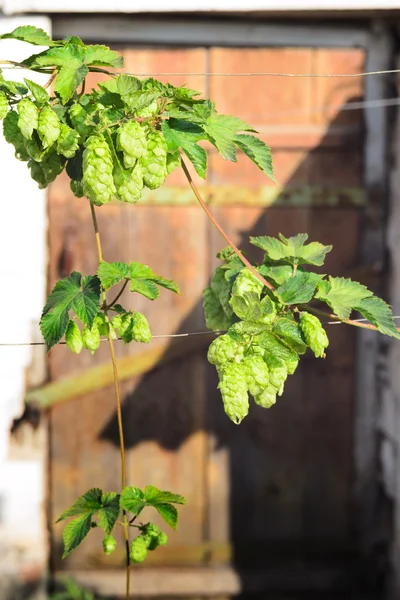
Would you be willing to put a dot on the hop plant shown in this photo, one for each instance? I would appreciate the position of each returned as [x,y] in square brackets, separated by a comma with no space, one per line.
[233,387]
[128,183]
[224,349]
[154,162]
[67,141]
[3,105]
[13,135]
[28,117]
[131,140]
[138,550]
[49,126]
[98,183]
[257,374]
[246,282]
[314,334]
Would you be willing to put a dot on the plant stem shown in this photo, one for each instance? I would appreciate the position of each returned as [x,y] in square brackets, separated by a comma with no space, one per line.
[222,232]
[50,81]
[118,399]
[118,296]
[315,311]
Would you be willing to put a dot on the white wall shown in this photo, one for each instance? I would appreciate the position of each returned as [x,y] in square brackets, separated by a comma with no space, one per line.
[23,261]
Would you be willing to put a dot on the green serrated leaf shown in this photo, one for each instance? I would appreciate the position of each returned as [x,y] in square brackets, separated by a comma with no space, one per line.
[257,151]
[275,346]
[125,84]
[112,273]
[155,496]
[379,314]
[292,250]
[29,33]
[38,92]
[185,135]
[222,130]
[298,289]
[70,56]
[246,306]
[289,330]
[145,281]
[139,100]
[75,532]
[104,57]
[109,511]
[145,287]
[87,503]
[132,499]
[82,294]
[68,80]
[278,274]
[169,513]
[342,295]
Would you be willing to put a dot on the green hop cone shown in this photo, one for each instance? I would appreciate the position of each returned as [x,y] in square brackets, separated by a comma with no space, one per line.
[257,374]
[68,141]
[215,316]
[28,117]
[109,544]
[246,282]
[128,183]
[267,398]
[162,539]
[76,188]
[140,328]
[223,350]
[173,161]
[291,365]
[314,334]
[222,289]
[154,162]
[131,140]
[277,372]
[98,183]
[138,550]
[233,388]
[79,116]
[13,135]
[73,337]
[152,535]
[125,328]
[49,126]
[3,105]
[91,338]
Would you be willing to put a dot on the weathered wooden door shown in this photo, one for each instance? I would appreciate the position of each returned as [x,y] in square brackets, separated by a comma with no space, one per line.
[277,489]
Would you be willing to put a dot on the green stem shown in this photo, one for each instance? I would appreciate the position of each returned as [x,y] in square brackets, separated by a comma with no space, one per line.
[118,296]
[118,400]
[315,311]
[222,232]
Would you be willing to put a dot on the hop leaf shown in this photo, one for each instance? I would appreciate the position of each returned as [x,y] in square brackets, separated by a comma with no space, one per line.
[76,188]
[3,105]
[13,135]
[257,374]
[49,126]
[215,316]
[98,183]
[131,140]
[246,282]
[154,162]
[68,141]
[233,387]
[224,349]
[173,161]
[222,289]
[314,334]
[28,117]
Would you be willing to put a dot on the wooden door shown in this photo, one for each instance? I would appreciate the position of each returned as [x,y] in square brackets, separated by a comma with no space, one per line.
[278,487]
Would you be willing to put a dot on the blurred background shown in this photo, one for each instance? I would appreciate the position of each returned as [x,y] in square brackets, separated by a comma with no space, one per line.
[300,501]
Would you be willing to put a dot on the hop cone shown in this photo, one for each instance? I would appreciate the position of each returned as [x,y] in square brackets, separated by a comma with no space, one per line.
[131,140]
[98,183]
[154,162]
[3,105]
[314,334]
[49,126]
[233,387]
[28,117]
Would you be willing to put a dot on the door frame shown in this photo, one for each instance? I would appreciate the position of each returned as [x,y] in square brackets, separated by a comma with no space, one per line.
[375,38]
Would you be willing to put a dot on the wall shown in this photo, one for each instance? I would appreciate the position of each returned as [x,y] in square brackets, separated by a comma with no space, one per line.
[23,285]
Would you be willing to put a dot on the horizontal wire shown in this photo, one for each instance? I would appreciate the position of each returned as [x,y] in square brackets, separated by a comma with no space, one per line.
[246,74]
[262,74]
[172,335]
